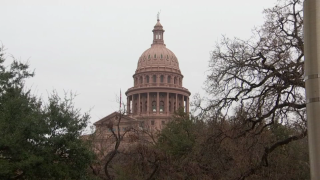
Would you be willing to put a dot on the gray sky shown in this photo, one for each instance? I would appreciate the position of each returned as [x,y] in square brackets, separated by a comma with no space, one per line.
[92,47]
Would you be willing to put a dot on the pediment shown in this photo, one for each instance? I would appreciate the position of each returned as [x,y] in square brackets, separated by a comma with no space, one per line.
[114,117]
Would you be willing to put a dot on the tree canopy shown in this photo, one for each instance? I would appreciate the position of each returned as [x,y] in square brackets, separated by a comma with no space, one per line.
[38,140]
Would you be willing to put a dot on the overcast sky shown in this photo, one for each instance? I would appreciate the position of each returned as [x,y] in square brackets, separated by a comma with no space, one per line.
[92,47]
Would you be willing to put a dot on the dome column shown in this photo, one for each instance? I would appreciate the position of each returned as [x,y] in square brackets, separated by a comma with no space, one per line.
[128,106]
[176,102]
[167,103]
[187,104]
[158,108]
[182,101]
[148,102]
[139,110]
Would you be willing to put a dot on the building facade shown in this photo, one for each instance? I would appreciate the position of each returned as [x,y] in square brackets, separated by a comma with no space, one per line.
[158,84]
[157,87]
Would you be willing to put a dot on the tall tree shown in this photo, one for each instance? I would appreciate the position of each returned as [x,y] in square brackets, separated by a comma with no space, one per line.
[38,140]
[262,77]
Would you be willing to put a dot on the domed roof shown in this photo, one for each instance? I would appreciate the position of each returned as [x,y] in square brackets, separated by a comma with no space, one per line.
[158,55]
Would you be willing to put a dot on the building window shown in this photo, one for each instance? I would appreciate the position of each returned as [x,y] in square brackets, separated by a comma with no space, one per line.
[169,106]
[141,124]
[169,79]
[154,106]
[140,80]
[161,106]
[152,122]
[147,79]
[155,56]
[154,78]
[174,80]
[161,56]
[146,105]
[161,78]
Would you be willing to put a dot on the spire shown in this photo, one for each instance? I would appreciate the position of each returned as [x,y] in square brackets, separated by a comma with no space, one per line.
[158,32]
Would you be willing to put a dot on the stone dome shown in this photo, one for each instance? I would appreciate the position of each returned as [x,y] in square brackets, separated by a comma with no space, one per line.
[158,55]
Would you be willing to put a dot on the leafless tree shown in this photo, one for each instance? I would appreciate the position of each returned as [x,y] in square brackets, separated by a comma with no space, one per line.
[262,76]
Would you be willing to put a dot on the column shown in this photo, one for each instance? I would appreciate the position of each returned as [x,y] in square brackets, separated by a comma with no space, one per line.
[176,102]
[187,104]
[128,107]
[138,112]
[182,98]
[167,103]
[158,108]
[148,102]
[133,102]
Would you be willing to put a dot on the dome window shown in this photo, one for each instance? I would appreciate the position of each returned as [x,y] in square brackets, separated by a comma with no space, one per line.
[161,78]
[167,57]
[147,79]
[154,78]
[169,79]
[154,106]
[149,56]
[161,56]
[161,106]
[155,56]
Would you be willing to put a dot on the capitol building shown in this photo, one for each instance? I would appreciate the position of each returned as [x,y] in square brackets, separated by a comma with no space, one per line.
[157,90]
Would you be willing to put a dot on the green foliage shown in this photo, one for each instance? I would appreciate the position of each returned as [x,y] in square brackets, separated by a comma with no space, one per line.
[177,138]
[38,140]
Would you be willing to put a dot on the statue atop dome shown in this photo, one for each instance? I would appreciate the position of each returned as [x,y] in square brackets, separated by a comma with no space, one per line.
[158,16]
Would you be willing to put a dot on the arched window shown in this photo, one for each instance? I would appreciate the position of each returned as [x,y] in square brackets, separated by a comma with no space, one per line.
[147,77]
[174,80]
[140,79]
[154,106]
[161,56]
[155,56]
[154,78]
[161,106]
[169,79]
[161,78]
